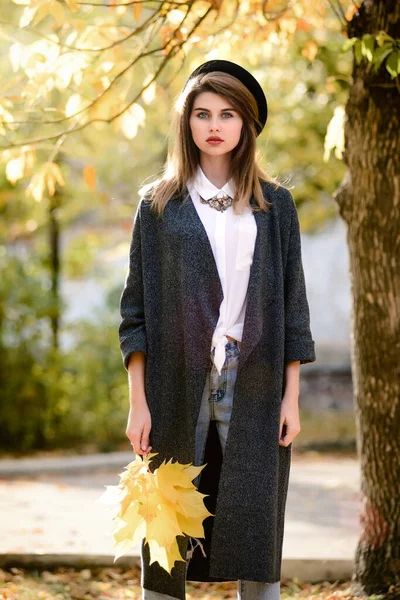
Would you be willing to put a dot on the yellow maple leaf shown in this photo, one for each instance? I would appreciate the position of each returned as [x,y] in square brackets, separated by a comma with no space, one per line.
[164,558]
[132,527]
[191,504]
[132,493]
[164,527]
[156,506]
[191,525]
[136,466]
[176,474]
[123,542]
[193,471]
[149,504]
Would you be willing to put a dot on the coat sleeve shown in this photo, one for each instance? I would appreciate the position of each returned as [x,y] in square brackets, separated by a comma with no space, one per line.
[132,328]
[299,344]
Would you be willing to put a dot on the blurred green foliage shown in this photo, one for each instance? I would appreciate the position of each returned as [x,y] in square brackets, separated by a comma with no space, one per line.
[56,398]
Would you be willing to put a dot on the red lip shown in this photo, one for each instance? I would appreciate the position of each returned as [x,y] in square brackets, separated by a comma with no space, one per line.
[214,139]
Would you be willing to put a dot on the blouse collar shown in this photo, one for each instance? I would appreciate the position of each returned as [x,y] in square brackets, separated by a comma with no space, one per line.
[207,190]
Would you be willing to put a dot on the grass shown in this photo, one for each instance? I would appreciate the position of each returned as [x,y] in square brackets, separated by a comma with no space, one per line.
[124,584]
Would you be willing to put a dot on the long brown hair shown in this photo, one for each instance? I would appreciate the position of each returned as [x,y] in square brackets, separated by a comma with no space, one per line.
[183,154]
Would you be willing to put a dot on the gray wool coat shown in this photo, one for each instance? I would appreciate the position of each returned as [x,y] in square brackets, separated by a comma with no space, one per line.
[169,309]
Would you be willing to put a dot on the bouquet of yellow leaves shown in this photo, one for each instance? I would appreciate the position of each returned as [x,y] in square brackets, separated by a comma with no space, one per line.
[157,506]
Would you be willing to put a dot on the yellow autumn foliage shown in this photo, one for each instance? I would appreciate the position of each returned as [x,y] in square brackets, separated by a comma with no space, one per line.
[157,506]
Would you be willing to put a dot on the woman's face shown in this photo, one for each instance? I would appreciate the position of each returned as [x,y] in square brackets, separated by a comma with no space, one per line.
[213,117]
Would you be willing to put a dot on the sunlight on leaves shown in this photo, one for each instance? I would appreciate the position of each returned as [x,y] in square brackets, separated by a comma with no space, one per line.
[72,5]
[19,166]
[45,179]
[36,11]
[74,105]
[130,120]
[334,138]
[150,92]
[175,16]
[5,117]
[64,70]
[51,8]
[36,57]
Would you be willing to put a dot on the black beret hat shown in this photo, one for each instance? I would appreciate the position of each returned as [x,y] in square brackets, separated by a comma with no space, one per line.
[245,77]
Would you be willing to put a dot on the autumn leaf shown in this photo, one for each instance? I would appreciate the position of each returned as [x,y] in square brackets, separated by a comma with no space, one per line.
[72,5]
[19,165]
[49,8]
[310,50]
[189,504]
[164,558]
[130,120]
[89,177]
[216,4]
[156,506]
[137,11]
[170,477]
[351,11]
[191,526]
[46,177]
[164,526]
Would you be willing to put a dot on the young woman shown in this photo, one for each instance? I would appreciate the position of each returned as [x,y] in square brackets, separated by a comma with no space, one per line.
[215,324]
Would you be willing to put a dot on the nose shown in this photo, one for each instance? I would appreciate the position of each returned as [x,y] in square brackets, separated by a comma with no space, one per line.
[214,125]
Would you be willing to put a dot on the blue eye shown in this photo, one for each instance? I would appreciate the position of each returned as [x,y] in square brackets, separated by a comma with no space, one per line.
[199,114]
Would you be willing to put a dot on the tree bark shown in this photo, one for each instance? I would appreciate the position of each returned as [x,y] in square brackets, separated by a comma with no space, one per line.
[369,202]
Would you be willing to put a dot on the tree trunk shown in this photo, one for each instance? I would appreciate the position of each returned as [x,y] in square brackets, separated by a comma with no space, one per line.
[369,202]
[54,244]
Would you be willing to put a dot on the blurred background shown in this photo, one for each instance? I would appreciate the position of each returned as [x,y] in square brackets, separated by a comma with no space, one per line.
[65,231]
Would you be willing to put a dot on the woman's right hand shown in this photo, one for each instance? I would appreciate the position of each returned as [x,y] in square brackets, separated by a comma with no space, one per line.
[138,428]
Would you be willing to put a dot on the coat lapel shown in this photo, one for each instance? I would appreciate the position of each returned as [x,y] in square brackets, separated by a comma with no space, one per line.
[260,287]
[202,239]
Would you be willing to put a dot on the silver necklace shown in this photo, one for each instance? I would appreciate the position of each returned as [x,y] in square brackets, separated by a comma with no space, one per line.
[220,204]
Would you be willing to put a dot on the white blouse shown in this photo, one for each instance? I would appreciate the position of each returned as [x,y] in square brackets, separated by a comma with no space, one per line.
[232,239]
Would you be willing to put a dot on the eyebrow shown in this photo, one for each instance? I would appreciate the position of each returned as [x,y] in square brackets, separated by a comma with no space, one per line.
[222,109]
